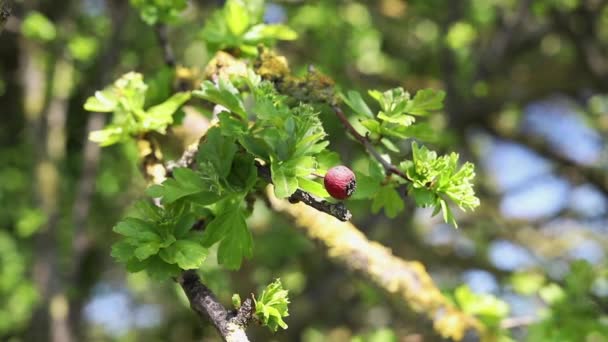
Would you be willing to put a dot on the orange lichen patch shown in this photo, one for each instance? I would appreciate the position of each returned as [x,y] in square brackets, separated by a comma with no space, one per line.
[407,281]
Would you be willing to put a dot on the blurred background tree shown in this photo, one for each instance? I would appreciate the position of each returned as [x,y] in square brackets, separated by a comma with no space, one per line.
[526,85]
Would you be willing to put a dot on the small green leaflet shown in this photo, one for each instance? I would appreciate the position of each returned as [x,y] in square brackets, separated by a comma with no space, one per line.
[272,305]
[425,101]
[186,254]
[224,94]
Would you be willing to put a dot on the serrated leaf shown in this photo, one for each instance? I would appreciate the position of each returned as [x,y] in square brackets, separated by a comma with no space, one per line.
[147,249]
[230,229]
[138,229]
[425,101]
[224,94]
[122,251]
[185,253]
[219,150]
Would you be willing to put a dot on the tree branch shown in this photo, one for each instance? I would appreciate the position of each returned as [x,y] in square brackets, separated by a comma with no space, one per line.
[407,281]
[230,325]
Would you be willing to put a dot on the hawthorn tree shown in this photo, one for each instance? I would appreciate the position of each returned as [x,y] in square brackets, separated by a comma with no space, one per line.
[265,129]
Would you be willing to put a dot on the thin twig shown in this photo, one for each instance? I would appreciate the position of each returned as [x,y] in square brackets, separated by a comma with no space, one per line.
[388,167]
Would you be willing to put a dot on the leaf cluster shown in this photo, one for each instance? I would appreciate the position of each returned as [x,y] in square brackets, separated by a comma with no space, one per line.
[125,98]
[430,179]
[238,26]
[272,305]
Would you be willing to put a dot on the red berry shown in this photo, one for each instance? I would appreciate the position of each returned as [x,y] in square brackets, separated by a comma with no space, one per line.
[340,182]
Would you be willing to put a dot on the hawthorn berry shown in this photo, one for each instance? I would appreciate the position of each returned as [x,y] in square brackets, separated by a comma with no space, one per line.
[340,182]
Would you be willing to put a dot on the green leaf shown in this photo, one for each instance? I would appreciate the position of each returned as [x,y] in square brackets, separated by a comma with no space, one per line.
[145,250]
[219,150]
[243,174]
[264,33]
[186,182]
[137,228]
[224,94]
[422,196]
[236,16]
[425,101]
[158,269]
[183,225]
[186,254]
[123,250]
[400,119]
[104,101]
[230,229]
[313,187]
[272,305]
[160,116]
[302,166]
[389,199]
[354,100]
[284,180]
[367,186]
[108,136]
